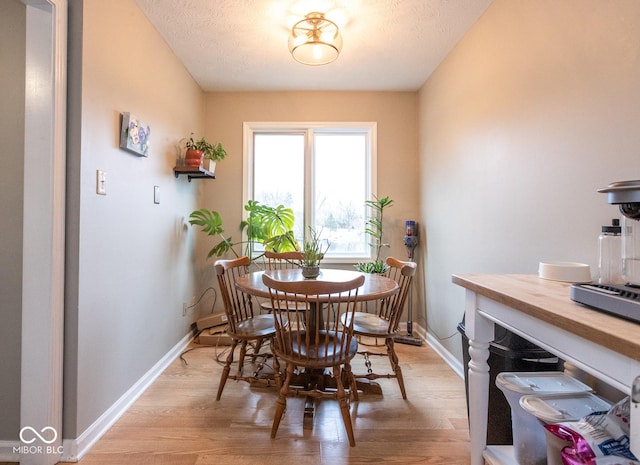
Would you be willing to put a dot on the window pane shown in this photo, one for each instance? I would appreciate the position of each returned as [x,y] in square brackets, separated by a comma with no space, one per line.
[323,172]
[279,173]
[340,162]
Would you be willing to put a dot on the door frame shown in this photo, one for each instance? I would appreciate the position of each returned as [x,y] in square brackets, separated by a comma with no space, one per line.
[43,231]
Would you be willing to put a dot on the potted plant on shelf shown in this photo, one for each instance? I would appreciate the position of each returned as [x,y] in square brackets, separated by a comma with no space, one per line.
[374,228]
[313,253]
[202,153]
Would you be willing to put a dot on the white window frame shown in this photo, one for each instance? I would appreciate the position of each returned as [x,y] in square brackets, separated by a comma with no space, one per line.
[309,129]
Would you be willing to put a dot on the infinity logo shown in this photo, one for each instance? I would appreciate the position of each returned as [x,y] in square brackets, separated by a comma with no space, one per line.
[39,436]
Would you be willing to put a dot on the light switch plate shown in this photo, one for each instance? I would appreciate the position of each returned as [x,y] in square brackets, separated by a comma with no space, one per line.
[156,194]
[101,182]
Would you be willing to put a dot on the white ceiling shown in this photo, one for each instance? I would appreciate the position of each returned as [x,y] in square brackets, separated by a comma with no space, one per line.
[241,45]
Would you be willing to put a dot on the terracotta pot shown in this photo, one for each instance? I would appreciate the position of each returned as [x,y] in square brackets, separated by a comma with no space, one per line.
[193,158]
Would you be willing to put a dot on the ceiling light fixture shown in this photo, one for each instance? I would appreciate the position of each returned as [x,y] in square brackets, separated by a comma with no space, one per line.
[315,40]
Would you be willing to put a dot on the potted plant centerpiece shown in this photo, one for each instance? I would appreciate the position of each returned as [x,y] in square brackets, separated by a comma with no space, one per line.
[202,153]
[313,251]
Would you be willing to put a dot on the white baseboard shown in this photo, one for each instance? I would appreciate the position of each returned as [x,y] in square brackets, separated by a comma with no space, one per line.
[6,451]
[449,359]
[75,449]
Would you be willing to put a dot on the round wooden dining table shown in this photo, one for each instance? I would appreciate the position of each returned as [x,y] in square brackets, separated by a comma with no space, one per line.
[375,286]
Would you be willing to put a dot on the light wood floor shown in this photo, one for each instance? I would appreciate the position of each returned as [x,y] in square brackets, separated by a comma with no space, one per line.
[178,421]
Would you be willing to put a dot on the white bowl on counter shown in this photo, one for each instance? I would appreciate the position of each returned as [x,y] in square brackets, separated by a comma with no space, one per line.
[569,272]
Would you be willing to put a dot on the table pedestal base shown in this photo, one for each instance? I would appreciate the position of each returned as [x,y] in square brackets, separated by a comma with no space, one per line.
[324,381]
[368,387]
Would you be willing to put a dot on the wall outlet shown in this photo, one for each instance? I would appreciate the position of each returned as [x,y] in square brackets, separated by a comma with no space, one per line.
[186,306]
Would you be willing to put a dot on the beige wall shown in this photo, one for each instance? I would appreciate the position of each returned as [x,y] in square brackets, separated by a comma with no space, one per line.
[536,108]
[129,261]
[396,117]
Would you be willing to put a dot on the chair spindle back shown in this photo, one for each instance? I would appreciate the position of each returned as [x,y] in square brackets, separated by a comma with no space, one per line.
[402,272]
[315,336]
[238,306]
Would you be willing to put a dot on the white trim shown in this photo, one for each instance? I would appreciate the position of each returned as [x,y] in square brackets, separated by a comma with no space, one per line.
[44,217]
[438,348]
[9,456]
[308,130]
[75,449]
[434,343]
[445,355]
[247,171]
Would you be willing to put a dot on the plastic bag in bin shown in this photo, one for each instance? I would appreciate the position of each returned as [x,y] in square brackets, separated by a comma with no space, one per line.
[601,438]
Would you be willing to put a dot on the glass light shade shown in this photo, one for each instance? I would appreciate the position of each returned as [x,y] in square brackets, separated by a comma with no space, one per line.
[315,40]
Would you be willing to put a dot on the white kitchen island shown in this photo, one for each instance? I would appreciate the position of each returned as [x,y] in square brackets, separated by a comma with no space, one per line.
[541,311]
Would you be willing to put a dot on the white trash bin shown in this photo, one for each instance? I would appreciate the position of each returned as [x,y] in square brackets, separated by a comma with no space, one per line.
[557,408]
[529,442]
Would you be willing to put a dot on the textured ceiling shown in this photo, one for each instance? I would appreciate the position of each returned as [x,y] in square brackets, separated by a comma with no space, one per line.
[241,45]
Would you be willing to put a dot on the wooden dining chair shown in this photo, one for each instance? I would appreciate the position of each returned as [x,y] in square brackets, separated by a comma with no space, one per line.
[280,261]
[384,322]
[315,339]
[243,326]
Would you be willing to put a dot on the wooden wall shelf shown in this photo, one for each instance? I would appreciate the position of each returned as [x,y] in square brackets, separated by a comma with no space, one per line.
[192,172]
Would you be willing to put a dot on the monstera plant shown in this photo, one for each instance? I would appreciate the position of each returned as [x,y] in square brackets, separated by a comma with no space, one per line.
[270,226]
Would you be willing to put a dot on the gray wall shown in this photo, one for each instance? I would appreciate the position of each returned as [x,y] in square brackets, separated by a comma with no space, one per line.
[536,108]
[12,78]
[129,261]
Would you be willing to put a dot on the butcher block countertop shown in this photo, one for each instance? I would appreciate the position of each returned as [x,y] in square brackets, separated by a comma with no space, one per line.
[550,301]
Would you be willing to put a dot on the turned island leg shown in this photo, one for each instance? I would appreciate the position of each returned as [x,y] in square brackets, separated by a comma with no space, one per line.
[480,332]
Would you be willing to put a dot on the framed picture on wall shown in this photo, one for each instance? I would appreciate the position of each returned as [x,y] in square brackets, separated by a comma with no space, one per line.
[134,135]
